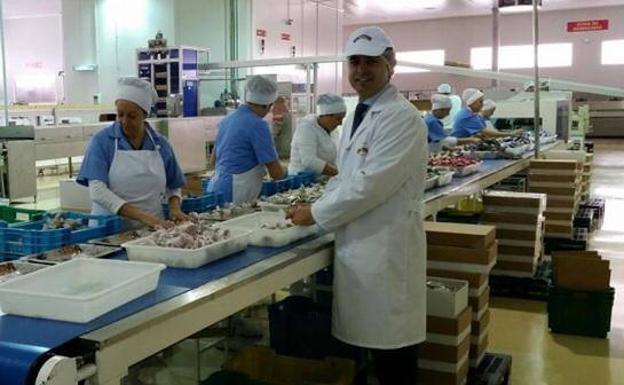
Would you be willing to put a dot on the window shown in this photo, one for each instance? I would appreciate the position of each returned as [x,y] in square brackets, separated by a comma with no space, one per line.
[521,56]
[435,57]
[612,52]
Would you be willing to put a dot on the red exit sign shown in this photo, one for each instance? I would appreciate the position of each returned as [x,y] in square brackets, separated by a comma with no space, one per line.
[285,36]
[261,32]
[588,25]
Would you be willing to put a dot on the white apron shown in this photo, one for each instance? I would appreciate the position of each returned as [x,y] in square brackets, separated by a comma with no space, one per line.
[139,178]
[247,186]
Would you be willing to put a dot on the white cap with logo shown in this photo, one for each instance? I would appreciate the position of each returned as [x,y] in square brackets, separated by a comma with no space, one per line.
[439,102]
[471,95]
[368,41]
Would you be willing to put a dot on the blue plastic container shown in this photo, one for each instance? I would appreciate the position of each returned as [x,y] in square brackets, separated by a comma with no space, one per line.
[307,177]
[199,204]
[27,238]
[269,188]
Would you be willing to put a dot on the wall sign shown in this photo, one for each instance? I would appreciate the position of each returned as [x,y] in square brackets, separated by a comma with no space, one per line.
[588,25]
[261,33]
[285,36]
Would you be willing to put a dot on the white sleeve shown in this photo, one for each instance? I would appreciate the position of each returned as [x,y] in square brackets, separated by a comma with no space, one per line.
[174,193]
[102,195]
[307,141]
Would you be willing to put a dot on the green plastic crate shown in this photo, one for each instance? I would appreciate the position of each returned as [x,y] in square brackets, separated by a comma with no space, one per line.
[579,312]
[11,214]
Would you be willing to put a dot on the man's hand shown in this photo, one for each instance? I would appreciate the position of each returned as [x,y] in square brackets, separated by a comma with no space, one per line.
[330,170]
[301,215]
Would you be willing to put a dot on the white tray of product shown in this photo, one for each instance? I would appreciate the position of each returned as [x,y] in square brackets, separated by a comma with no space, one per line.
[79,290]
[445,178]
[66,253]
[467,170]
[270,229]
[13,269]
[446,298]
[273,207]
[486,154]
[431,182]
[515,152]
[172,254]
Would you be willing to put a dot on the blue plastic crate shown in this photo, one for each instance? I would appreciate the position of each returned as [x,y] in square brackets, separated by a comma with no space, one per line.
[307,177]
[205,182]
[296,181]
[29,237]
[199,204]
[284,184]
[269,188]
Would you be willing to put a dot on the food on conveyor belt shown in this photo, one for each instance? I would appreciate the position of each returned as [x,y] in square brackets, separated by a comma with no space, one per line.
[225,213]
[60,222]
[301,195]
[119,239]
[188,235]
[67,253]
[10,270]
[277,226]
[454,161]
[488,144]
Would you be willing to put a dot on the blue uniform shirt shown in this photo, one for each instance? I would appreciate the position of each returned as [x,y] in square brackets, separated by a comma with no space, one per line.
[467,123]
[435,128]
[243,141]
[101,150]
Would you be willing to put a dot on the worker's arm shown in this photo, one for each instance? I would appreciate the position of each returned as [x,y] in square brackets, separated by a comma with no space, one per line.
[472,139]
[275,169]
[490,132]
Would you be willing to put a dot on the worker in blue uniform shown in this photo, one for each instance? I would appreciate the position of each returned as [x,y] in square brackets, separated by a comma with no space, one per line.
[468,121]
[244,149]
[129,168]
[437,138]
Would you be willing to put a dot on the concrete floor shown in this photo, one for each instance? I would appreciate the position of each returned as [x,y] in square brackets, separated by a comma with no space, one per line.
[520,328]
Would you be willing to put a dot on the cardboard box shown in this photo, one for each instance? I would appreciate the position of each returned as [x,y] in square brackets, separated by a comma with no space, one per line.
[514,199]
[518,234]
[502,217]
[553,164]
[578,273]
[447,301]
[576,155]
[526,267]
[481,326]
[477,350]
[569,191]
[462,255]
[475,280]
[578,254]
[559,229]
[459,235]
[516,250]
[566,216]
[444,353]
[570,178]
[479,303]
[450,326]
[427,376]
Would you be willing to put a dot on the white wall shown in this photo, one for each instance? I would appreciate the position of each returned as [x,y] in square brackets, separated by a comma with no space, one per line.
[316,30]
[458,35]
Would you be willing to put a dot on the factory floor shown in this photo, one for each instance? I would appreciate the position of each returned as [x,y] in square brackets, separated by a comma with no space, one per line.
[520,328]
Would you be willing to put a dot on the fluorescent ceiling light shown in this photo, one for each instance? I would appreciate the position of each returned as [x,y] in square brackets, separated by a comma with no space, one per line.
[395,6]
[517,6]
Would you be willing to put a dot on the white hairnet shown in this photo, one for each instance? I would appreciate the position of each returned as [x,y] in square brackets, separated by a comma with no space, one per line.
[471,95]
[138,91]
[368,41]
[444,88]
[439,102]
[260,90]
[328,104]
[488,104]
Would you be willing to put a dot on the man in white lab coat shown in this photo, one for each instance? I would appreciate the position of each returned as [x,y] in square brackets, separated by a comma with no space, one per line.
[374,207]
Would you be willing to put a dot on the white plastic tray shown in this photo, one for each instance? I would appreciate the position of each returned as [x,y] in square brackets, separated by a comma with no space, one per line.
[445,178]
[272,207]
[468,170]
[79,290]
[188,258]
[21,268]
[431,183]
[266,237]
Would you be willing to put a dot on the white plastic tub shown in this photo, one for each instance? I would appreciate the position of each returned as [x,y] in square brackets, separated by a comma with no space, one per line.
[446,298]
[445,178]
[431,183]
[269,238]
[272,207]
[79,290]
[468,170]
[188,258]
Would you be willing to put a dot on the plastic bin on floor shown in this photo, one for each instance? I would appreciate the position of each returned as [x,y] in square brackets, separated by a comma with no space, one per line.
[260,363]
[301,328]
[580,312]
[11,214]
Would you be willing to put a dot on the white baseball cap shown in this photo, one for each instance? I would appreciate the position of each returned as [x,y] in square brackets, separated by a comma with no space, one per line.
[138,91]
[444,88]
[439,102]
[488,104]
[329,104]
[471,95]
[368,41]
[260,90]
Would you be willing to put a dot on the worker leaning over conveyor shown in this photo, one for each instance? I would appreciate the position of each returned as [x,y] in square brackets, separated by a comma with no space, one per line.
[244,147]
[374,206]
[436,136]
[456,103]
[313,148]
[129,168]
[468,122]
[489,106]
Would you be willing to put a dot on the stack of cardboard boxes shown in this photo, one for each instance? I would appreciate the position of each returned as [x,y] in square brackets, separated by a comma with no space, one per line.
[443,358]
[587,174]
[560,180]
[466,252]
[519,221]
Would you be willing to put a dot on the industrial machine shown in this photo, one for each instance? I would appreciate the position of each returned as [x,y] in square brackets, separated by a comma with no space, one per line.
[17,177]
[519,111]
[174,73]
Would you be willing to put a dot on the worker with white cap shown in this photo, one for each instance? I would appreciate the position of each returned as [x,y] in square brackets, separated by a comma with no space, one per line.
[128,167]
[489,106]
[437,138]
[244,148]
[445,89]
[312,147]
[374,206]
[469,122]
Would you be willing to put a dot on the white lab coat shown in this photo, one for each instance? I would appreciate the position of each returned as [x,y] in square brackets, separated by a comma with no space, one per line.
[374,206]
[456,106]
[311,148]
